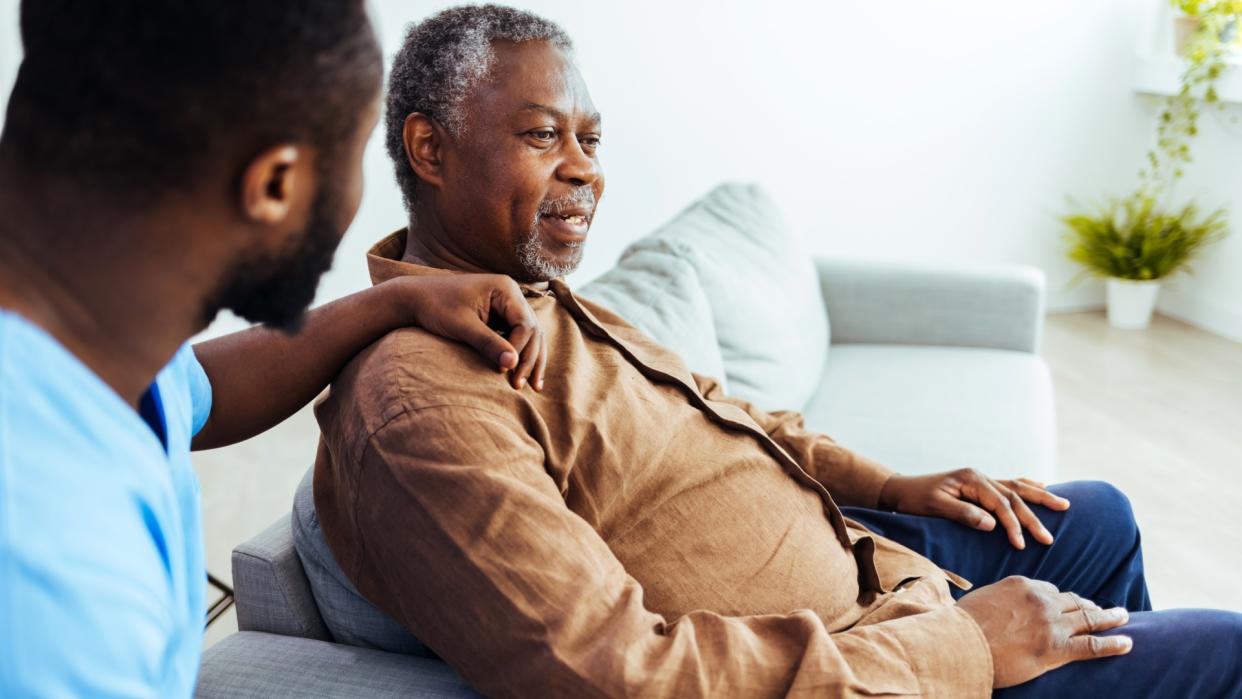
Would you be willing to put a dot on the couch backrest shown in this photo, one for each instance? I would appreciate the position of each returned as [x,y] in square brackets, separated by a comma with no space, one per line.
[270,586]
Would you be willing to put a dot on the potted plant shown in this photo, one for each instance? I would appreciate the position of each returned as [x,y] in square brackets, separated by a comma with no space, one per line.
[1140,240]
[1135,245]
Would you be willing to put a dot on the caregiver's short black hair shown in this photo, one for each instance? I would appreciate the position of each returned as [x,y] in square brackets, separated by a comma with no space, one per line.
[140,96]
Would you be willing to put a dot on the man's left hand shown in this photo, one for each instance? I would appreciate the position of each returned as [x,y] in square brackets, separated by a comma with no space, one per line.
[973,499]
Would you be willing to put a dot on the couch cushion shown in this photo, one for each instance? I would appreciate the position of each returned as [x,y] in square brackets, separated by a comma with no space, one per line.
[921,409]
[763,289]
[660,294]
[348,615]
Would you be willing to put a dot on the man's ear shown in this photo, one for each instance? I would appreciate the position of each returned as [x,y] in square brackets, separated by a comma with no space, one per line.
[423,140]
[269,184]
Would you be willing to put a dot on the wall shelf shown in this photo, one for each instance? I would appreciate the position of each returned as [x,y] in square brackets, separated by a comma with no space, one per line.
[1159,74]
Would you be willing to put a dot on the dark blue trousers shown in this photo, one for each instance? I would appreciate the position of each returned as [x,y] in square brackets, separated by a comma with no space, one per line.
[1095,553]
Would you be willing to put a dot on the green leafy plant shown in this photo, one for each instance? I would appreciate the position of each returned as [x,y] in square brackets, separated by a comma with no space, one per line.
[1133,239]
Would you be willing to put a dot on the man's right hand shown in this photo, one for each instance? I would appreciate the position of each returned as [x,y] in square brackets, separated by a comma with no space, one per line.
[1032,628]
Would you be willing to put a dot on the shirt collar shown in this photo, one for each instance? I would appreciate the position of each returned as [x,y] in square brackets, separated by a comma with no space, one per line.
[384,263]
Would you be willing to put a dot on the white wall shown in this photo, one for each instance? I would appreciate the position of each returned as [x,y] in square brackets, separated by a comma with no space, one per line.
[930,131]
[906,129]
[10,51]
[926,131]
[1212,296]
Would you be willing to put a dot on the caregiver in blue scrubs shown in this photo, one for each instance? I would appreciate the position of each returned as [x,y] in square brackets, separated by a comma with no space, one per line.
[161,162]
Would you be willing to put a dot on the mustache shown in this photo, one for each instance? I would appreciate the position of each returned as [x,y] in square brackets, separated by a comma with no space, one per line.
[583,197]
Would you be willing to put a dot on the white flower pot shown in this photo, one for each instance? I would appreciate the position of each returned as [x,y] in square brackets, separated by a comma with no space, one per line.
[1130,303]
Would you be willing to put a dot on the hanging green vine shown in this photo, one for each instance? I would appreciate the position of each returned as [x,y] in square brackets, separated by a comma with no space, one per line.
[1206,54]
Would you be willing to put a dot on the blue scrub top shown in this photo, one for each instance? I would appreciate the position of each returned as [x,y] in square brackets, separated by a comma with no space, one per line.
[101,550]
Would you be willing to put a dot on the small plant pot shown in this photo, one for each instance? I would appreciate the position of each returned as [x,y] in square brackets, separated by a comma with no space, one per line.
[1130,303]
[1183,29]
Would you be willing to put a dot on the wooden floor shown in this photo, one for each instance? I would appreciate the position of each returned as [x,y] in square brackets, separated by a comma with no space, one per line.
[1156,412]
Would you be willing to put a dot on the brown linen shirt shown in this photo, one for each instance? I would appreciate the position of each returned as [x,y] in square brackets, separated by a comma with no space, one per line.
[630,531]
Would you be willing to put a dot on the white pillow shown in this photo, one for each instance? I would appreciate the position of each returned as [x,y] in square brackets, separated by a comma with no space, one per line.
[764,292]
[660,294]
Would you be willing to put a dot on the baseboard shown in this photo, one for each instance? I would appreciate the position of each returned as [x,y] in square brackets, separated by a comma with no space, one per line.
[1073,298]
[1175,303]
[1063,308]
[1202,314]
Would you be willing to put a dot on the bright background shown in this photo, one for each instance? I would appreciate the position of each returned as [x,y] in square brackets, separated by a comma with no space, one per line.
[905,129]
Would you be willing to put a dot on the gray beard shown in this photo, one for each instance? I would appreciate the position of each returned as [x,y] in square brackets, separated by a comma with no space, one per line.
[539,267]
[536,265]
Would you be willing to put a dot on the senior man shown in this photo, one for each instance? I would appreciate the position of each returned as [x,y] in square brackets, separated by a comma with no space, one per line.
[633,531]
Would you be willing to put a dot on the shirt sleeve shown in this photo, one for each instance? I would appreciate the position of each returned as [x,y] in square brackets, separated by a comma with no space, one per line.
[457,530]
[851,478]
[200,390]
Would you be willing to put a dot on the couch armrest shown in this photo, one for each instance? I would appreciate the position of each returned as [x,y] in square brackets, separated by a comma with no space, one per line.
[256,664]
[270,586]
[992,306]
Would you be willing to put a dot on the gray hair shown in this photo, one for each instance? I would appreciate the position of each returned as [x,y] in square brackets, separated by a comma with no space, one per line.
[442,59]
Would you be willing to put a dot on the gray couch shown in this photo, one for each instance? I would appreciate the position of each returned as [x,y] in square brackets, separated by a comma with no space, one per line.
[924,367]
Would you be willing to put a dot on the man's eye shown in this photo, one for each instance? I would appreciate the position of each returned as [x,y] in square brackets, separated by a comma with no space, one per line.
[542,134]
[591,142]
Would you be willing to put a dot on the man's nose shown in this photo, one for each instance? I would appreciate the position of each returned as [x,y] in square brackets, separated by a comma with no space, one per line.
[578,168]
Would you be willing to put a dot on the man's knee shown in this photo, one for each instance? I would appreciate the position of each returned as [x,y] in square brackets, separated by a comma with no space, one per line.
[1103,504]
[1096,495]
